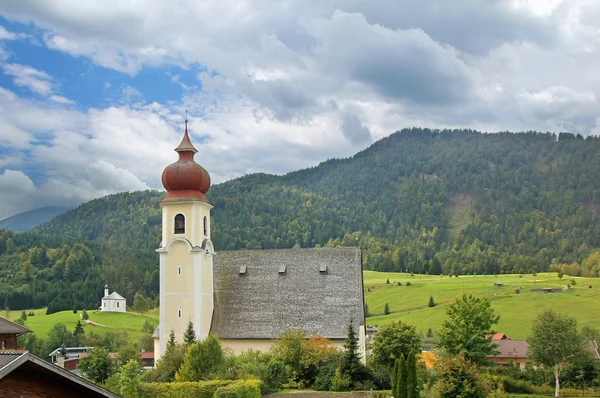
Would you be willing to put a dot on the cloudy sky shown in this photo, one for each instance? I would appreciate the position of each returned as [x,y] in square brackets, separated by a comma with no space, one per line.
[93,93]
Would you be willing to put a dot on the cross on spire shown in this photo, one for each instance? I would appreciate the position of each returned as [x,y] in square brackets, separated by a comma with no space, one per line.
[186,120]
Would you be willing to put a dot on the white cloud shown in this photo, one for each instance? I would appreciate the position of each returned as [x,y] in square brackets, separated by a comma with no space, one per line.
[61,100]
[290,84]
[25,76]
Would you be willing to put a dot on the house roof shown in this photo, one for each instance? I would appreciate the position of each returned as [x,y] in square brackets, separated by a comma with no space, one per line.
[518,349]
[113,296]
[8,327]
[500,336]
[261,293]
[23,361]
[511,349]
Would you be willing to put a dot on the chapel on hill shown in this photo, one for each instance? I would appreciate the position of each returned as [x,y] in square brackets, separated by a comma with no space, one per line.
[246,297]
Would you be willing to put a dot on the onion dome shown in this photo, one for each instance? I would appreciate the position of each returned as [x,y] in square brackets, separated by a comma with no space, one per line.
[185,179]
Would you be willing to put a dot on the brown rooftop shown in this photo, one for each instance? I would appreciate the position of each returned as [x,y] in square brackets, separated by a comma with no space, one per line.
[8,327]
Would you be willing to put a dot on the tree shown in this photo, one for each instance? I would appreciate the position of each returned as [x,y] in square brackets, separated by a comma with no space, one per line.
[401,378]
[129,379]
[431,302]
[24,315]
[128,353]
[84,315]
[168,364]
[395,379]
[468,330]
[394,341]
[351,364]
[387,281]
[203,360]
[289,347]
[412,387]
[189,336]
[97,366]
[78,333]
[555,342]
[386,309]
[140,304]
[458,377]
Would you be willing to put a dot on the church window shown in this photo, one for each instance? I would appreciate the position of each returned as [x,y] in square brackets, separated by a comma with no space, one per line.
[179,313]
[117,304]
[179,270]
[205,226]
[179,224]
[104,303]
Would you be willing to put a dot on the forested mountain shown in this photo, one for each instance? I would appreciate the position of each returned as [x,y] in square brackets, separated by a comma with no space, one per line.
[30,219]
[419,201]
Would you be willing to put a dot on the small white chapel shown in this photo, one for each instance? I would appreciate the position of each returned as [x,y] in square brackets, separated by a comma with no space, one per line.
[113,302]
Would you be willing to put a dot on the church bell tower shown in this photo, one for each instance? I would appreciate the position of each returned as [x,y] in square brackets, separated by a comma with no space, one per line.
[186,264]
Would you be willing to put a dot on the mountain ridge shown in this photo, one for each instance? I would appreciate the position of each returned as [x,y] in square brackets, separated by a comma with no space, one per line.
[420,200]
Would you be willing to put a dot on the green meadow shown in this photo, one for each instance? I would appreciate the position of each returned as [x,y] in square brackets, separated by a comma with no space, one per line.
[516,310]
[129,322]
[406,303]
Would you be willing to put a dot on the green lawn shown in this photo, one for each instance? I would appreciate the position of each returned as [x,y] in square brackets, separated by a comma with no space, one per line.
[115,322]
[409,303]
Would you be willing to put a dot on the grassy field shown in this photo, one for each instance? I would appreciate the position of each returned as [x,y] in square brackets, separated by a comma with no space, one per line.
[409,303]
[129,322]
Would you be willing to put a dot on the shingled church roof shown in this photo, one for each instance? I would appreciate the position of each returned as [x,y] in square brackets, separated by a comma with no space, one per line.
[261,293]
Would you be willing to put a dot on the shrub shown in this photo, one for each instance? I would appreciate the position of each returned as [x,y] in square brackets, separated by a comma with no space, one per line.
[340,382]
[186,389]
[239,389]
[408,284]
[517,290]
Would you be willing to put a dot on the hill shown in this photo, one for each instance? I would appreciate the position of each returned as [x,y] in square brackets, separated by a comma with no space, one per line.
[115,322]
[30,219]
[452,202]
[516,310]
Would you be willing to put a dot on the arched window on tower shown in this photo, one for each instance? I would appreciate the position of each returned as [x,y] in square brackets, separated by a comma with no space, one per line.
[179,224]
[205,226]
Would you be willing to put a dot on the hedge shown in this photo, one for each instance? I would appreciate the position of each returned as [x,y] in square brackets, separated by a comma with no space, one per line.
[186,389]
[240,389]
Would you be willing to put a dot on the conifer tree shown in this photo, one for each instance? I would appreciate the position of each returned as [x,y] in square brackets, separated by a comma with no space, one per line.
[411,376]
[386,309]
[351,365]
[431,302]
[189,336]
[395,379]
[401,389]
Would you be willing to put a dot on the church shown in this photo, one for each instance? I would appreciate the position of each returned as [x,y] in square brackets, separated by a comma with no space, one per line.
[247,298]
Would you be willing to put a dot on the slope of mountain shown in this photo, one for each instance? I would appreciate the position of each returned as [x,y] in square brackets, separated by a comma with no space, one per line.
[30,219]
[457,202]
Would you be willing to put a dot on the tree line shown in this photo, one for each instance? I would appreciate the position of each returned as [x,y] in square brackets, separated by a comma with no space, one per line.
[421,201]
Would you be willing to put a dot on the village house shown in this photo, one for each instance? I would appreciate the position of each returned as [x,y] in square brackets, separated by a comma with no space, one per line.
[25,375]
[247,297]
[9,333]
[113,302]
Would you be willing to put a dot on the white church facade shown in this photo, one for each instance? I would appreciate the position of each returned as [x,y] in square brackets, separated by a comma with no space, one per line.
[246,297]
[113,302]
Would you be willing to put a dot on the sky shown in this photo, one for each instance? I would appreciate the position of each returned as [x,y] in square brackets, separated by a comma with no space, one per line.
[93,94]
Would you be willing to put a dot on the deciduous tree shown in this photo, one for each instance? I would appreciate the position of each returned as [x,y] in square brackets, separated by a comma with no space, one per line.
[468,329]
[555,342]
[393,341]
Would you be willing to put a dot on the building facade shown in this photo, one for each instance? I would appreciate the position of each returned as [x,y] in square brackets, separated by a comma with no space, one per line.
[246,297]
[113,302]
